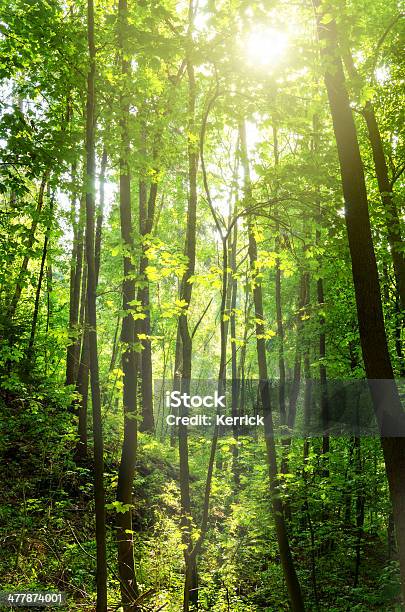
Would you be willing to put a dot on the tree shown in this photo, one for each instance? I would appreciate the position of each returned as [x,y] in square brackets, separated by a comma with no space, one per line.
[385,185]
[129,588]
[365,278]
[92,320]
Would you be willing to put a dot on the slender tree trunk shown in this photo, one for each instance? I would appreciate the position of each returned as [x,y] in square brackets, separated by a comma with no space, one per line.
[242,357]
[31,237]
[359,509]
[322,354]
[176,380]
[82,381]
[279,311]
[324,405]
[99,498]
[81,353]
[393,225]
[348,486]
[126,563]
[48,307]
[302,305]
[373,339]
[307,400]
[39,285]
[191,577]
[83,389]
[399,327]
[280,336]
[105,399]
[74,225]
[392,221]
[100,212]
[290,575]
[73,350]
[308,520]
[234,364]
[146,216]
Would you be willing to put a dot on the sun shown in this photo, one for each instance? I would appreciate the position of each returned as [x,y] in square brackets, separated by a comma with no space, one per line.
[265,47]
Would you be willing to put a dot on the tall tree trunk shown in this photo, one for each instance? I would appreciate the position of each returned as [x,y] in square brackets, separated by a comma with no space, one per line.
[373,339]
[235,391]
[48,307]
[73,350]
[146,215]
[82,381]
[399,326]
[83,389]
[100,212]
[324,404]
[290,575]
[280,335]
[242,358]
[99,498]
[74,225]
[302,305]
[392,221]
[81,355]
[126,563]
[191,578]
[279,311]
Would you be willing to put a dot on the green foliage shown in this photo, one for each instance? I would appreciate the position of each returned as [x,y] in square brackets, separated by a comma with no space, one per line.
[336,504]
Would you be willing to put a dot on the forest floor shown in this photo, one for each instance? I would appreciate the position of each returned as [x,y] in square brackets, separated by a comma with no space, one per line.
[47,524]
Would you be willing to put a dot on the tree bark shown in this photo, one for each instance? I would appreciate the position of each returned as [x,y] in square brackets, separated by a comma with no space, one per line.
[320,292]
[146,216]
[359,509]
[80,356]
[100,212]
[73,350]
[386,400]
[99,498]
[235,391]
[177,369]
[279,311]
[82,381]
[191,578]
[126,563]
[280,336]
[392,221]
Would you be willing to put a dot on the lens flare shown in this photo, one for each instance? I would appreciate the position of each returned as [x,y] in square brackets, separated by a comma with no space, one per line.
[265,47]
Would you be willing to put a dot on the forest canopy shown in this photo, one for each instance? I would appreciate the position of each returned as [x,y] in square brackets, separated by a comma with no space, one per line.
[203,199]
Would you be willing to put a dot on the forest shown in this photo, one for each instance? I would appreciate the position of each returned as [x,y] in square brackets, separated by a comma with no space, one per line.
[202,305]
